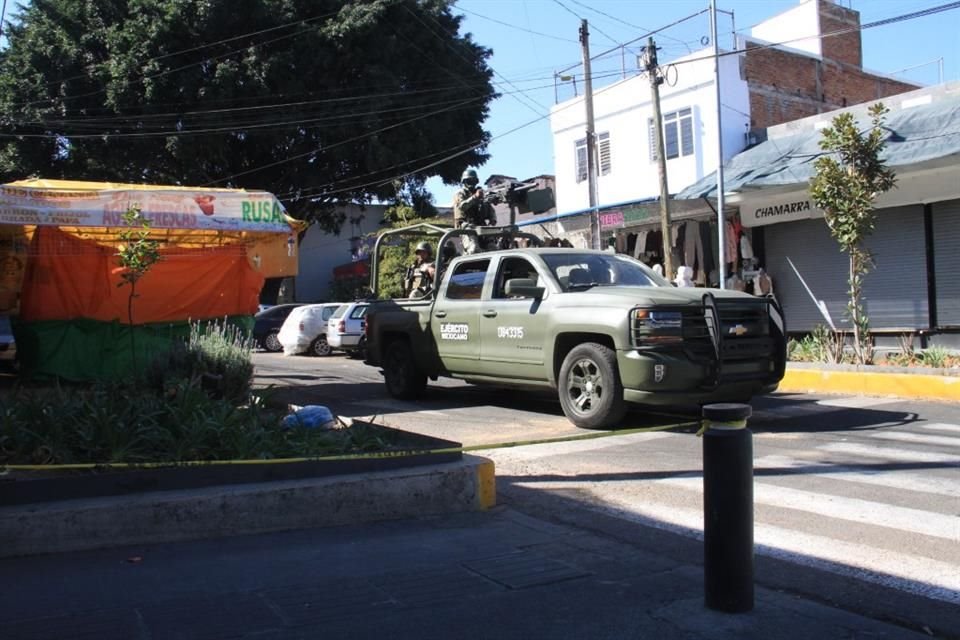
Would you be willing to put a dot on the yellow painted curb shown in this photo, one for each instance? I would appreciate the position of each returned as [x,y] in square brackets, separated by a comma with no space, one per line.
[486,484]
[904,385]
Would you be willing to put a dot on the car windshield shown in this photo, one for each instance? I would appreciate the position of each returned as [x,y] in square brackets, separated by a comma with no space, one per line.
[580,271]
[339,312]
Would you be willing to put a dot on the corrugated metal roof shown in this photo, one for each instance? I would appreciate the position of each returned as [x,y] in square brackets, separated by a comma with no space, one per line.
[917,135]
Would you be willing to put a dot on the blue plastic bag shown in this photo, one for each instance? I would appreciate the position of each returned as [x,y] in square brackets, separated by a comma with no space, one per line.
[311,416]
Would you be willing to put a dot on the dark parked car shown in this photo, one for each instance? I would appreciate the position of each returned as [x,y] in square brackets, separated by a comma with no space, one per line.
[267,324]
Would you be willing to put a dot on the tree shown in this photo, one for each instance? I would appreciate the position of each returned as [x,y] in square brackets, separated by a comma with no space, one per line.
[316,101]
[137,254]
[846,185]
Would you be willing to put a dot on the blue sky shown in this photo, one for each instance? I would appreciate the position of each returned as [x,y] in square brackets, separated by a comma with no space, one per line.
[543,40]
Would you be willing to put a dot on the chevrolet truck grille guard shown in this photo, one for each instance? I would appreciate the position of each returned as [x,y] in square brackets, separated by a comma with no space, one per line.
[725,333]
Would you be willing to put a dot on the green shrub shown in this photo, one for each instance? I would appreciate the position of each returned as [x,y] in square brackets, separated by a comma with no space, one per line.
[935,357]
[113,422]
[217,356]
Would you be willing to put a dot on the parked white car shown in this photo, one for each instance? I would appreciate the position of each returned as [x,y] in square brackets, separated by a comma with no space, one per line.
[305,329]
[346,327]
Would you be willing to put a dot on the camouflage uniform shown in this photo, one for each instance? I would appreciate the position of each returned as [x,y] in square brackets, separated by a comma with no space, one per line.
[468,205]
[420,275]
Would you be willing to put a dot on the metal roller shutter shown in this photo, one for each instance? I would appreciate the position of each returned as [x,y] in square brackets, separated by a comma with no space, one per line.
[946,259]
[895,291]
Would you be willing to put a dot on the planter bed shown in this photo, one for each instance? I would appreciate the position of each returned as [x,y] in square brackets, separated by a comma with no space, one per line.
[20,487]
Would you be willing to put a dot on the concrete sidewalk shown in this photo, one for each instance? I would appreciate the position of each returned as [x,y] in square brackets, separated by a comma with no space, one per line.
[496,574]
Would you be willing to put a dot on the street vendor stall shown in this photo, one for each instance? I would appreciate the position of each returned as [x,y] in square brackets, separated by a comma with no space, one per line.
[58,245]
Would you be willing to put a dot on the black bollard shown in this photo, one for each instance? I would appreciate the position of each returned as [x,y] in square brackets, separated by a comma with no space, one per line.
[728,508]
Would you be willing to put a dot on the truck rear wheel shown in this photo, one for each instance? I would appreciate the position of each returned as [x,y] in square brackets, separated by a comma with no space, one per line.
[404,379]
[591,393]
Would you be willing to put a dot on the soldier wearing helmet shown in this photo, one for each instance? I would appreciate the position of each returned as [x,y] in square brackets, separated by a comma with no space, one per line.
[421,274]
[468,204]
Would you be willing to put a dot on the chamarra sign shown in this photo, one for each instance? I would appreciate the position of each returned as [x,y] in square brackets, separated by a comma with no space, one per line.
[755,212]
[67,203]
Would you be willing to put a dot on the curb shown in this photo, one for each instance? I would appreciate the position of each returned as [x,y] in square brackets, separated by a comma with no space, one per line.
[868,383]
[232,510]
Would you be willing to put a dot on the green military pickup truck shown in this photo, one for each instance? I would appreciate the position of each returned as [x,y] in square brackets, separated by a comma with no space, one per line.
[601,329]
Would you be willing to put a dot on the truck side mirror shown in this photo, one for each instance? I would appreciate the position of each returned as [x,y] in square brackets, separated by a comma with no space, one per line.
[524,288]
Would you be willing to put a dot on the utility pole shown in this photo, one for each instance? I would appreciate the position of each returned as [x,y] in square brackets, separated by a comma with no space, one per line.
[721,249]
[591,140]
[655,81]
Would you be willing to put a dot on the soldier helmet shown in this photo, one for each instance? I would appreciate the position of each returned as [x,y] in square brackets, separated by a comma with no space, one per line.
[470,177]
[424,246]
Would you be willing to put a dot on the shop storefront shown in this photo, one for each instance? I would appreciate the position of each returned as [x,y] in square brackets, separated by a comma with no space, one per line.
[912,288]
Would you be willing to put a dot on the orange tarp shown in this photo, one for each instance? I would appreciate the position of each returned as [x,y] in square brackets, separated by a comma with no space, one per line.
[68,277]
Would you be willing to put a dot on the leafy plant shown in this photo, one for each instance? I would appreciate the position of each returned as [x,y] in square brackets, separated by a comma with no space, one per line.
[216,357]
[118,422]
[846,185]
[821,345]
[137,253]
[935,357]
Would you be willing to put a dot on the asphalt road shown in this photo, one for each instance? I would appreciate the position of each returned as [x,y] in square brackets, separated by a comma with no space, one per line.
[863,492]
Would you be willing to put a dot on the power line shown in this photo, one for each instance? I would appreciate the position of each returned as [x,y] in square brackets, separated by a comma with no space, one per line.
[462,57]
[338,144]
[165,72]
[644,36]
[232,128]
[197,48]
[98,124]
[513,26]
[838,32]
[468,149]
[892,20]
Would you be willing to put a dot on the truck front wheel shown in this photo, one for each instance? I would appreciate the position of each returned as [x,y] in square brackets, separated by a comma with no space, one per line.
[591,393]
[404,379]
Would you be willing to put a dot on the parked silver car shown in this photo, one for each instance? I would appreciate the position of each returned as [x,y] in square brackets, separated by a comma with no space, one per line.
[346,327]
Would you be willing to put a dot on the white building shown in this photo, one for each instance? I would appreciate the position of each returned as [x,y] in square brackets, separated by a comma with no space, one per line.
[623,115]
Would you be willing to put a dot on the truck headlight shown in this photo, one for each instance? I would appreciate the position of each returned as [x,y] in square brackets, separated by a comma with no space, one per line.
[657,327]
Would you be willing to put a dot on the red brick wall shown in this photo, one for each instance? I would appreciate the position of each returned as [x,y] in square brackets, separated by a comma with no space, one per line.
[786,86]
[844,47]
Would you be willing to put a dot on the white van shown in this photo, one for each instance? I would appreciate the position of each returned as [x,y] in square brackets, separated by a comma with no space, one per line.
[305,330]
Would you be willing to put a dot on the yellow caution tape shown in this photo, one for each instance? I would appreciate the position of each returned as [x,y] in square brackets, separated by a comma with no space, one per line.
[348,456]
[722,426]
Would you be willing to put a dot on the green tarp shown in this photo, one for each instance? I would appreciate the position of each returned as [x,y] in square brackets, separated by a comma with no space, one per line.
[83,350]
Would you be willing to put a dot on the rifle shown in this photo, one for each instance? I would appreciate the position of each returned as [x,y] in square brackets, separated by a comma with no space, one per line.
[408,280]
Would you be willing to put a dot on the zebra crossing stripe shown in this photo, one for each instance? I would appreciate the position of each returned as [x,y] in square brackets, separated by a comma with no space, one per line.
[902,571]
[939,426]
[889,454]
[925,523]
[918,438]
[890,478]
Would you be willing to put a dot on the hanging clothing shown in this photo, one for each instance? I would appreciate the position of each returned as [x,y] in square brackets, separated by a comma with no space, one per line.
[730,242]
[692,246]
[641,246]
[709,263]
[746,249]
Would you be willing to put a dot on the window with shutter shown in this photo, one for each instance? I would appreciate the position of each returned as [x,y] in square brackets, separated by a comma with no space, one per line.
[580,153]
[677,134]
[603,144]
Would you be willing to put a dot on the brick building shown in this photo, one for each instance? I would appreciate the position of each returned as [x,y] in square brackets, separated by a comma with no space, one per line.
[811,76]
[805,61]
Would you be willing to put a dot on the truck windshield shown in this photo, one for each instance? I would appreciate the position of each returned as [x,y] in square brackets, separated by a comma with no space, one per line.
[579,271]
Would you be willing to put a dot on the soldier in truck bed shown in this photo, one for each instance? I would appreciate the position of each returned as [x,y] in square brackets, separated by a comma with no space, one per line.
[468,204]
[421,274]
